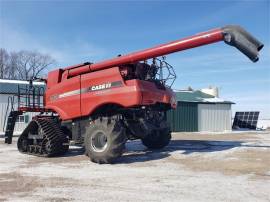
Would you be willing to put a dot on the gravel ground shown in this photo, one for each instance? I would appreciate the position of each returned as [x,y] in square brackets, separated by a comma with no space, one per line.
[194,167]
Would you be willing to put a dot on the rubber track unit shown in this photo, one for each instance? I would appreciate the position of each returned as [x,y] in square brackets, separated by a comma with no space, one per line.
[54,142]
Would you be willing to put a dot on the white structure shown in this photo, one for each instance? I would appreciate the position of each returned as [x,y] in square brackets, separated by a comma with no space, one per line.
[214,117]
[211,91]
[8,90]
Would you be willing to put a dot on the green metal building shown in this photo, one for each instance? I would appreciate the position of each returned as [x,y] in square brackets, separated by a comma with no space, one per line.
[197,111]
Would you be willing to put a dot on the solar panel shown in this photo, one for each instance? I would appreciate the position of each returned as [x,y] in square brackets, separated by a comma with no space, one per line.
[245,120]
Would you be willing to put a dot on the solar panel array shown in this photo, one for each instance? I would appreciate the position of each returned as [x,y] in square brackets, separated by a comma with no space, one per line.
[246,120]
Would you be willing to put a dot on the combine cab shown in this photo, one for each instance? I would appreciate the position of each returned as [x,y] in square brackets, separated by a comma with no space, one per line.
[102,105]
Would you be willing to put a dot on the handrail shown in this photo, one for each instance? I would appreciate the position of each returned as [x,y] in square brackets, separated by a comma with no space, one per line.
[30,96]
[10,103]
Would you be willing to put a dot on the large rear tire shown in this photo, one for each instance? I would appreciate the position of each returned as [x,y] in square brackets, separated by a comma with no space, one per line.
[158,139]
[105,140]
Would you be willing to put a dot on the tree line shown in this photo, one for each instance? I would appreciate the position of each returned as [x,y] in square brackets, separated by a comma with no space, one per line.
[23,65]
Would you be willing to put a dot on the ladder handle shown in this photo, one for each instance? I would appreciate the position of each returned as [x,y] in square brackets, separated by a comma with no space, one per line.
[10,103]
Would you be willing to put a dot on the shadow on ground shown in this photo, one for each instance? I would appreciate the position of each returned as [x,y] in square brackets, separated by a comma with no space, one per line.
[136,152]
[75,151]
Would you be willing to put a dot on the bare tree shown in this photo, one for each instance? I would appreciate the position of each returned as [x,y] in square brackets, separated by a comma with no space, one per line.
[23,65]
[32,64]
[4,60]
[12,71]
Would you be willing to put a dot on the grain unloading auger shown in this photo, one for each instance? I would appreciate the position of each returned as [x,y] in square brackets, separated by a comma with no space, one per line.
[232,35]
[102,105]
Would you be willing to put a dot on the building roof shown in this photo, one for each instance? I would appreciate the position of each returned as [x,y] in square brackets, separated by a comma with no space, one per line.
[11,86]
[198,97]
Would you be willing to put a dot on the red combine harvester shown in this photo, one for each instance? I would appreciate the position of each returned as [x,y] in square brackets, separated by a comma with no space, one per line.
[102,105]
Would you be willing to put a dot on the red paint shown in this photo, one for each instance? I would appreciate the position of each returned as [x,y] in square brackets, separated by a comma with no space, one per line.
[132,93]
[164,49]
[67,107]
[68,91]
[31,109]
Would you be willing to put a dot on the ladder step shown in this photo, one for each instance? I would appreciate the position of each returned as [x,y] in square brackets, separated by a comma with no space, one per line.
[11,121]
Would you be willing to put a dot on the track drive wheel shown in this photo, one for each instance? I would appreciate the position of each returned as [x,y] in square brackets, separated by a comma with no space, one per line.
[105,140]
[157,139]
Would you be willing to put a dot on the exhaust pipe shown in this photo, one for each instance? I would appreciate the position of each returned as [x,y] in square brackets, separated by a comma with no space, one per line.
[238,37]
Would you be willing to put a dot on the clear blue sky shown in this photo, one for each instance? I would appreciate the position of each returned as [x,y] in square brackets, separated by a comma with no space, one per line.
[78,31]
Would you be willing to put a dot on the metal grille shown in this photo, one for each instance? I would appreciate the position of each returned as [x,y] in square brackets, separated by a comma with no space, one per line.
[30,97]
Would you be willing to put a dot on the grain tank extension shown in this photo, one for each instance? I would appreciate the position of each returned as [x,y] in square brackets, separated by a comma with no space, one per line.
[102,105]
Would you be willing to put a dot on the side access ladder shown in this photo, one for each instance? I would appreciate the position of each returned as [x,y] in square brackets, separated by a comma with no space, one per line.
[12,117]
[29,99]
[11,120]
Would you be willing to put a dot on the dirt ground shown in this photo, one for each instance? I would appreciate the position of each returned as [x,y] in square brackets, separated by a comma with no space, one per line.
[194,167]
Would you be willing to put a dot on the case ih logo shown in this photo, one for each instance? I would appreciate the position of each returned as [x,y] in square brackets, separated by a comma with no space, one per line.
[101,86]
[86,90]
